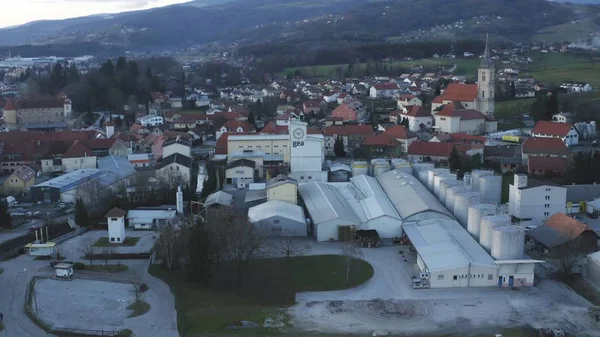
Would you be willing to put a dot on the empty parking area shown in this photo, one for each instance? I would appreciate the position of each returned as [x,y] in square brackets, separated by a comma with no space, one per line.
[83,304]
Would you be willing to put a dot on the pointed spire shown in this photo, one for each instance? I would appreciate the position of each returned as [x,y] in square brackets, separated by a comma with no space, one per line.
[486,53]
[486,60]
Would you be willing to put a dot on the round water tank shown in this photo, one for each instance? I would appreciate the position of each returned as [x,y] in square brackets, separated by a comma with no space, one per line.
[462,202]
[420,167]
[360,167]
[432,173]
[437,180]
[444,185]
[380,168]
[423,177]
[451,193]
[508,242]
[475,175]
[485,231]
[490,188]
[399,163]
[467,179]
[475,213]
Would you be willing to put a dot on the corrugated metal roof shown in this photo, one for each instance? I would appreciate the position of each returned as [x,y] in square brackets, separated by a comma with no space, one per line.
[276,208]
[372,199]
[445,244]
[409,196]
[325,202]
[220,198]
[577,193]
[548,236]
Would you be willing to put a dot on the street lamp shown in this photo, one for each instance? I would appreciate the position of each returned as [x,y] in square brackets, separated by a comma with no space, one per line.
[121,301]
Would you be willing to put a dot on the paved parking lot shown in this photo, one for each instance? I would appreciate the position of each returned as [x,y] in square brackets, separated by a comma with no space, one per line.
[83,304]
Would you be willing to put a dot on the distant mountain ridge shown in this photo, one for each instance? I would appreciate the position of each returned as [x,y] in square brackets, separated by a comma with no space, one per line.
[308,22]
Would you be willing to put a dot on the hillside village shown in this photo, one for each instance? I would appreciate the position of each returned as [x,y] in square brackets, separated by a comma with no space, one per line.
[414,175]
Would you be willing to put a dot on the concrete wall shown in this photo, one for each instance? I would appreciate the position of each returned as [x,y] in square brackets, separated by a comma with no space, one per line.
[72,164]
[386,226]
[285,192]
[537,203]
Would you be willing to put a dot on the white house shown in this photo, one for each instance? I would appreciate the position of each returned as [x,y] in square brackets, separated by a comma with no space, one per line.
[416,116]
[116,225]
[452,119]
[240,173]
[564,131]
[408,100]
[177,145]
[563,117]
[576,87]
[202,101]
[174,167]
[151,120]
[535,202]
[384,90]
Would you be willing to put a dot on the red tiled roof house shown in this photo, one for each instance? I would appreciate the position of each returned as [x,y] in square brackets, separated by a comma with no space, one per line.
[564,131]
[384,90]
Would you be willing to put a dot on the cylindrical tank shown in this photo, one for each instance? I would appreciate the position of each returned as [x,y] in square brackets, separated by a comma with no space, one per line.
[451,193]
[437,180]
[380,166]
[475,213]
[417,168]
[490,187]
[475,175]
[462,202]
[508,242]
[423,176]
[400,164]
[467,179]
[360,167]
[444,186]
[431,175]
[485,230]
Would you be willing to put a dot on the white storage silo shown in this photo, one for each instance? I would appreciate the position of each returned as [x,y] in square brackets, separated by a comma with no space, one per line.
[420,167]
[475,175]
[475,213]
[423,174]
[490,187]
[462,203]
[380,166]
[437,180]
[508,242]
[451,193]
[360,167]
[485,230]
[431,175]
[403,165]
[444,186]
[467,180]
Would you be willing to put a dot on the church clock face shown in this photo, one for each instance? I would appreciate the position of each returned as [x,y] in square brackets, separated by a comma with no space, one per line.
[521,181]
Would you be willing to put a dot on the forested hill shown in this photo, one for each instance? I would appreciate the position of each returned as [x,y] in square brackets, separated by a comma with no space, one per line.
[313,23]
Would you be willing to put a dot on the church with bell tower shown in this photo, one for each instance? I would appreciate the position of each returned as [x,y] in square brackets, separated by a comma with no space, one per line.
[486,84]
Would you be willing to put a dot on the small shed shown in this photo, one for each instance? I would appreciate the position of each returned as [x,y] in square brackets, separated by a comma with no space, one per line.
[63,270]
[41,249]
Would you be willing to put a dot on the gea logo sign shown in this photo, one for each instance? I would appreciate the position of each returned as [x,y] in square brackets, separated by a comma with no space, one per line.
[298,144]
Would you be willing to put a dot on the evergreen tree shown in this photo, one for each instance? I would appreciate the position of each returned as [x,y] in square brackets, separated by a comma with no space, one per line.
[513,90]
[596,167]
[552,105]
[81,213]
[580,168]
[210,184]
[107,69]
[338,147]
[73,75]
[438,89]
[251,118]
[199,253]
[121,64]
[454,161]
[5,217]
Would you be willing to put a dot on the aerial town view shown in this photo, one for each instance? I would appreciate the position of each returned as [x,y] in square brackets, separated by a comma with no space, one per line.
[300,168]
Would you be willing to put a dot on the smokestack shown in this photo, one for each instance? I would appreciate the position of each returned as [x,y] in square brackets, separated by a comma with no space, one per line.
[179,200]
[36,236]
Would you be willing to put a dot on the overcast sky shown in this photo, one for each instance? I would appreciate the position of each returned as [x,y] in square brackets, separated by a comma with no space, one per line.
[22,11]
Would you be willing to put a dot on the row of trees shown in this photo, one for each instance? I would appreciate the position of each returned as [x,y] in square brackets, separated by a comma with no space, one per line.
[460,164]
[584,168]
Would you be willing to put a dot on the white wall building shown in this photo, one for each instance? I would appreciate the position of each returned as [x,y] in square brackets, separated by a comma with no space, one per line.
[151,217]
[307,154]
[564,131]
[281,218]
[116,225]
[177,145]
[151,120]
[535,202]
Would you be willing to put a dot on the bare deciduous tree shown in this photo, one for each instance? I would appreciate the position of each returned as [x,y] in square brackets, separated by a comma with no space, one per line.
[170,245]
[244,242]
[136,289]
[351,251]
[86,248]
[288,246]
[107,252]
[567,256]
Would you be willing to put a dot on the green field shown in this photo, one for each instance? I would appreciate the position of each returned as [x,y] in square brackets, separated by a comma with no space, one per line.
[128,242]
[270,286]
[504,109]
[567,31]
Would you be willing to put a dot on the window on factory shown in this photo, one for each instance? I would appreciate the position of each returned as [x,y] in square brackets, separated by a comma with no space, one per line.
[490,277]
[547,197]
[440,276]
[455,277]
[546,213]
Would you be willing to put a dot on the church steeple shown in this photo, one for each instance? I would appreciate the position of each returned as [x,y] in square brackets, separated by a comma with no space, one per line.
[486,60]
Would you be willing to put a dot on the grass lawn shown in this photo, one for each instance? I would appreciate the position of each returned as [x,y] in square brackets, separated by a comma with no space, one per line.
[109,268]
[138,309]
[129,241]
[554,68]
[125,333]
[271,285]
[513,107]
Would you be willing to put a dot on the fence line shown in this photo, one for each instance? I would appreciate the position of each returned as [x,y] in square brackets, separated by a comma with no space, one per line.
[87,332]
[69,235]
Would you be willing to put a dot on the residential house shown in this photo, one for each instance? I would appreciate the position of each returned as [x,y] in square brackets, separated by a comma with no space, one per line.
[576,87]
[19,181]
[346,112]
[175,168]
[36,111]
[139,159]
[546,166]
[151,120]
[352,136]
[535,201]
[76,157]
[289,96]
[331,97]
[544,147]
[507,157]
[563,131]
[344,97]
[454,118]
[179,145]
[384,90]
[466,94]
[421,151]
[314,106]
[235,126]
[240,172]
[406,100]
[563,117]
[418,118]
[559,231]
[331,120]
[393,142]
